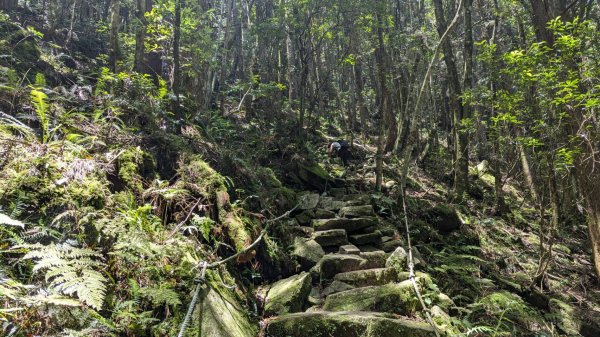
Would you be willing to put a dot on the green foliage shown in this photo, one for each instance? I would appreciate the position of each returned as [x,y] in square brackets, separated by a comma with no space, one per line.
[70,271]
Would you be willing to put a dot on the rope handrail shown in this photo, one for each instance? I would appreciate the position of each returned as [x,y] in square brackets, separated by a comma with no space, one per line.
[411,268]
[205,265]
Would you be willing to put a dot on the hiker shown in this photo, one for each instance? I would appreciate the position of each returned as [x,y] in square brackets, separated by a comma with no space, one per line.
[341,149]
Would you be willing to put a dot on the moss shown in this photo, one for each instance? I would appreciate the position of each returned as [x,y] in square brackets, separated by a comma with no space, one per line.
[132,166]
[565,316]
[197,176]
[288,295]
[268,177]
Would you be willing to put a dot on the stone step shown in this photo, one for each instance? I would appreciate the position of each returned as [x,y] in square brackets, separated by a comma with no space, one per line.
[336,287]
[375,259]
[368,277]
[366,239]
[350,225]
[332,264]
[395,298]
[357,211]
[332,237]
[391,245]
[349,249]
[345,324]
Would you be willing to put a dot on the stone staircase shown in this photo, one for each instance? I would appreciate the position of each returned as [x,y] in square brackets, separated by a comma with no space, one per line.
[353,280]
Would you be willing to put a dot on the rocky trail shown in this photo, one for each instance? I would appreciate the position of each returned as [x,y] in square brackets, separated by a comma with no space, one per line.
[354,279]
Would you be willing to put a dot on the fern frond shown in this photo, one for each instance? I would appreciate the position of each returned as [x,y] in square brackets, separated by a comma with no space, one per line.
[70,271]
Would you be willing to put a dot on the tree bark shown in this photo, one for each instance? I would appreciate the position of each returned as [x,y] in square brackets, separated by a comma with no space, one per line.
[115,19]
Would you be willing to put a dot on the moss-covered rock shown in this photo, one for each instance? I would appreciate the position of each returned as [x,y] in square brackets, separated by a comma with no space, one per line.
[350,225]
[566,317]
[332,237]
[288,295]
[397,260]
[397,298]
[307,252]
[357,211]
[443,218]
[368,277]
[332,264]
[223,316]
[345,324]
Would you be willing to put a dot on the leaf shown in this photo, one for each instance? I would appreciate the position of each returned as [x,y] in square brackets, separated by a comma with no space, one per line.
[6,220]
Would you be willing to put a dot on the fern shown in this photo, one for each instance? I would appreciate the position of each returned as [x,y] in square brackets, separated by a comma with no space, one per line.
[70,271]
[160,296]
[40,102]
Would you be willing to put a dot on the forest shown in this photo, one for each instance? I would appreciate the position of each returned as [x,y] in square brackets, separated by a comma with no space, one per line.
[292,168]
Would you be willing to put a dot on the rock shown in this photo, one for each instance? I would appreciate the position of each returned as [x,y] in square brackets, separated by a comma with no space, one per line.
[357,199]
[387,231]
[375,259]
[356,211]
[223,316]
[397,260]
[443,218]
[313,175]
[307,252]
[332,264]
[324,214]
[315,298]
[365,239]
[288,295]
[368,248]
[349,249]
[566,316]
[396,298]
[332,237]
[390,246]
[301,231]
[305,217]
[443,321]
[308,201]
[345,324]
[368,277]
[329,204]
[386,239]
[337,192]
[336,287]
[350,225]
[444,301]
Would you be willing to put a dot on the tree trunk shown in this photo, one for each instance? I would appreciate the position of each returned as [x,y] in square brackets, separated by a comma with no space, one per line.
[460,176]
[115,19]
[176,55]
[140,36]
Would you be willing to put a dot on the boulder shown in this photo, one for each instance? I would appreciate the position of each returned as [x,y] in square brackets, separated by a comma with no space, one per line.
[324,214]
[390,246]
[336,287]
[313,175]
[396,298]
[350,225]
[332,237]
[330,204]
[349,249]
[375,259]
[368,277]
[365,239]
[307,252]
[397,260]
[345,324]
[443,218]
[223,316]
[308,201]
[357,211]
[305,217]
[332,264]
[288,295]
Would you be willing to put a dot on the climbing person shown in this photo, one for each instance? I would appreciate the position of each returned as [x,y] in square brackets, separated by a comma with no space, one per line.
[341,149]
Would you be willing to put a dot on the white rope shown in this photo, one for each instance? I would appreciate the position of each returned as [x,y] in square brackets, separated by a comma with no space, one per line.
[411,269]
